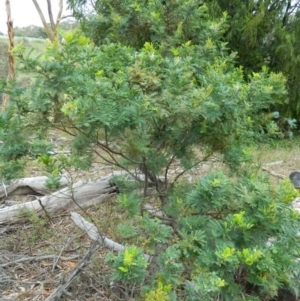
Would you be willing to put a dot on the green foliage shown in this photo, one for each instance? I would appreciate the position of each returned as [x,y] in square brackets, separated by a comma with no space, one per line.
[250,235]
[130,203]
[170,266]
[161,293]
[53,169]
[127,230]
[158,102]
[40,146]
[235,240]
[151,84]
[134,22]
[155,232]
[129,265]
[39,223]
[265,34]
[13,148]
[205,286]
[261,33]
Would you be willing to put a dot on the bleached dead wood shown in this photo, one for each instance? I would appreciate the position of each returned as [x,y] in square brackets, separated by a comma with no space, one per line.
[99,240]
[94,234]
[82,194]
[273,163]
[32,185]
[296,204]
[274,173]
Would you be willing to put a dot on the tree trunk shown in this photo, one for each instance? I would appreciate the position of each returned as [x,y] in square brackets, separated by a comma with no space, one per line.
[52,29]
[11,60]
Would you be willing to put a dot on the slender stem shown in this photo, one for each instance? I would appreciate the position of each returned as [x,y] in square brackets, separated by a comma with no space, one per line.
[167,169]
[146,177]
[197,163]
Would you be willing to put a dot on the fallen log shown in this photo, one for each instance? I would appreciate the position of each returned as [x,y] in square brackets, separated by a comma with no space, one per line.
[82,194]
[32,185]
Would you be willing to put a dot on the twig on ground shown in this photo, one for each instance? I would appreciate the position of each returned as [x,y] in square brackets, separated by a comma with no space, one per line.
[55,261]
[38,258]
[57,293]
[274,173]
[273,163]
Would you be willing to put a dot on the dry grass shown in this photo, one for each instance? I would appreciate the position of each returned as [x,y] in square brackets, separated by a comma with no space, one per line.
[287,151]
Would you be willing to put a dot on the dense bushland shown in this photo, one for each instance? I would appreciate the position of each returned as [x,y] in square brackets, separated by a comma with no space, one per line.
[151,92]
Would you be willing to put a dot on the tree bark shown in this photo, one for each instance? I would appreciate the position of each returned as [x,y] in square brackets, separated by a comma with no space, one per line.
[52,29]
[11,60]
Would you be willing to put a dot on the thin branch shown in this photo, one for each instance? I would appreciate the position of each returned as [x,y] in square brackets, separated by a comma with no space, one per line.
[50,15]
[286,14]
[109,150]
[58,292]
[59,18]
[46,26]
[197,163]
[168,167]
[117,164]
[55,261]
[38,258]
[104,159]
[106,138]
[44,209]
[65,17]
[146,177]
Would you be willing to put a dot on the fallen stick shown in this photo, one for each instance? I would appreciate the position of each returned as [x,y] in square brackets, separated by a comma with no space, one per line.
[274,173]
[273,163]
[65,282]
[83,194]
[38,258]
[92,231]
[94,234]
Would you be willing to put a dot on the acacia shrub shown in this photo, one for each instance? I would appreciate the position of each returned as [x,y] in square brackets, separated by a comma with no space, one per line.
[174,98]
[233,240]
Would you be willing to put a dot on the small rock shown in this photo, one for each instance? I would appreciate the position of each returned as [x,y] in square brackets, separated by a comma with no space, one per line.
[295,178]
